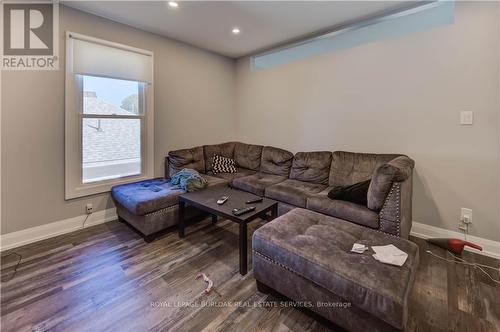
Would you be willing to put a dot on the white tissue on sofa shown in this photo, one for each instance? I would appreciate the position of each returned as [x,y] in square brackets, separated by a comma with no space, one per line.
[390,254]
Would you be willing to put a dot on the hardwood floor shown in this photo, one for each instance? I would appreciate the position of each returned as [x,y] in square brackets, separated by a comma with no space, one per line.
[106,278]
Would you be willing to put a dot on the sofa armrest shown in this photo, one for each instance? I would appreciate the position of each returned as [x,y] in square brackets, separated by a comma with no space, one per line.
[397,170]
[396,213]
[401,167]
[167,168]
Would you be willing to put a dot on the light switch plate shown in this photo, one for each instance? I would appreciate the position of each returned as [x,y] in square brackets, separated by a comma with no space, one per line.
[466,117]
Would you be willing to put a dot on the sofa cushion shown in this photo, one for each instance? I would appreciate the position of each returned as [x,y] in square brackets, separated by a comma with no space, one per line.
[257,183]
[240,172]
[224,150]
[350,168]
[293,191]
[144,197]
[247,155]
[396,170]
[317,248]
[352,212]
[311,166]
[215,181]
[276,161]
[186,158]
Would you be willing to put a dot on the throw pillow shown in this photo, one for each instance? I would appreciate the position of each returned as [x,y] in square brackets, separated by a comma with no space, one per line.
[356,193]
[223,165]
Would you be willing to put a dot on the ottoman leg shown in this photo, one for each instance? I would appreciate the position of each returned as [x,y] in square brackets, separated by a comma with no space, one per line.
[263,288]
[149,238]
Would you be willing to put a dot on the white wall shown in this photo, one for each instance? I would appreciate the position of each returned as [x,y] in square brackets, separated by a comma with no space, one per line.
[194,102]
[402,95]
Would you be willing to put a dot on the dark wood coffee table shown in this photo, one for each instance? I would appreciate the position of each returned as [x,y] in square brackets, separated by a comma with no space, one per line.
[206,200]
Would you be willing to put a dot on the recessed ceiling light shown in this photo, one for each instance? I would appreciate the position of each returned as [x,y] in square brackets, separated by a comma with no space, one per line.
[236,31]
[173,4]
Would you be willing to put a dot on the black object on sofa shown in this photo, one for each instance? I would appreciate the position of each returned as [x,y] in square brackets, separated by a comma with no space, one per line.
[306,256]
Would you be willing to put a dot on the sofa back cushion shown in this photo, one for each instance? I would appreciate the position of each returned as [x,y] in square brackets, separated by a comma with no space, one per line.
[186,158]
[397,170]
[223,150]
[276,161]
[349,167]
[248,155]
[311,167]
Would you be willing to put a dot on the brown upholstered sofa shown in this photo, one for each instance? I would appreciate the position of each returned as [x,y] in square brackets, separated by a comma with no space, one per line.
[304,180]
[301,180]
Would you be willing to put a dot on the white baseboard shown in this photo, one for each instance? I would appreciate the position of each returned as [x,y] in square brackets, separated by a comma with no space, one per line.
[490,248]
[34,234]
[16,239]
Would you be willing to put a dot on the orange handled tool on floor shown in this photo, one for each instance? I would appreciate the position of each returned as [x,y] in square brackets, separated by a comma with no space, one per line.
[454,245]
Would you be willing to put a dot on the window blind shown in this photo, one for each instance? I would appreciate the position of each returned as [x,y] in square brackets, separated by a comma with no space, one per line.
[91,57]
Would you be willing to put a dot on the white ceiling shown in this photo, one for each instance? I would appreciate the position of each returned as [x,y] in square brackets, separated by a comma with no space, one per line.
[263,24]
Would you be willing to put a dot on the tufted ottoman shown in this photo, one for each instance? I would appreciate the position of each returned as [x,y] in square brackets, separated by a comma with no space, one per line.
[149,206]
[306,256]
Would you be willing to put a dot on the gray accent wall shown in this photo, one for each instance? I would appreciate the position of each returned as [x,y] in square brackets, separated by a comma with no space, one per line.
[402,95]
[194,102]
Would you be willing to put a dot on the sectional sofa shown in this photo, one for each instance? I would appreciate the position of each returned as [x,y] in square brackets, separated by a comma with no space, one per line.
[302,180]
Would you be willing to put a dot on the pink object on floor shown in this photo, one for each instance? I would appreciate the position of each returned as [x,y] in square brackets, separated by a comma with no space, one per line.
[207,280]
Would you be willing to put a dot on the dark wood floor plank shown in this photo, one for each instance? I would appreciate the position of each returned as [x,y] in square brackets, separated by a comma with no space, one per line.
[106,278]
[148,283]
[430,292]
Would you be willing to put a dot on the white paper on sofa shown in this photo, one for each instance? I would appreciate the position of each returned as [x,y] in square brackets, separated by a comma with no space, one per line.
[359,248]
[389,254]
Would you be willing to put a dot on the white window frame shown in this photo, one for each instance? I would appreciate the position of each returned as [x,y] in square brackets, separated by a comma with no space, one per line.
[74,187]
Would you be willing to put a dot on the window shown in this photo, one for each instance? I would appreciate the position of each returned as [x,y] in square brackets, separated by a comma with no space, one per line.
[109,115]
[111,128]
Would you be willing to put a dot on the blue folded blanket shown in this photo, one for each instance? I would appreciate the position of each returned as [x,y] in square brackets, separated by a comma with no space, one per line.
[154,185]
[189,180]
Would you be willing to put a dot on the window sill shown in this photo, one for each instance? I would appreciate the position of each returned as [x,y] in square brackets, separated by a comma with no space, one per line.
[101,187]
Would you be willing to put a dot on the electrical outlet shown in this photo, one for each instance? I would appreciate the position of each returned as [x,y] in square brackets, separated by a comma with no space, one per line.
[89,208]
[462,226]
[466,117]
[466,216]
[465,219]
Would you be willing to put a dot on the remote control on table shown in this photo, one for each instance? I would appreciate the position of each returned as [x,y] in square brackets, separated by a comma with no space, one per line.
[222,200]
[256,200]
[239,212]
